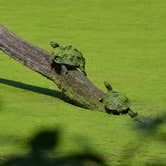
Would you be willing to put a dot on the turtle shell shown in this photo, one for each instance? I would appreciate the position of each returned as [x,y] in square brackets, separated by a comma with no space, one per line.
[115,101]
[68,56]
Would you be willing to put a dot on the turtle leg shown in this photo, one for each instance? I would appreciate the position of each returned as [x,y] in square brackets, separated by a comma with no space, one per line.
[82,68]
[63,70]
[114,112]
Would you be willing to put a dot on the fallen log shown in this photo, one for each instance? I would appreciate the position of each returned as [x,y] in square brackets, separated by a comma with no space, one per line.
[75,85]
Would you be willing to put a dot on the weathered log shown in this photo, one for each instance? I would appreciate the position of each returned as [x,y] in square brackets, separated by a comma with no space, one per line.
[74,84]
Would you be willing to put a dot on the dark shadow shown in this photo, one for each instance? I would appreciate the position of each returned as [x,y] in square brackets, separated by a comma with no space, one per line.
[149,126]
[148,130]
[32,88]
[42,144]
[36,89]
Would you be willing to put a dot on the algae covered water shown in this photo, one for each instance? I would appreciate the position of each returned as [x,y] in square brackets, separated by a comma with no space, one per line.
[123,43]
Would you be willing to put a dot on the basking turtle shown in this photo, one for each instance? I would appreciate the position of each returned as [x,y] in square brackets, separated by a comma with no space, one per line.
[68,57]
[116,103]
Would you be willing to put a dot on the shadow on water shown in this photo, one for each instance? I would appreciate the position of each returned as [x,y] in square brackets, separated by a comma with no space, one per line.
[148,132]
[32,88]
[42,144]
[37,89]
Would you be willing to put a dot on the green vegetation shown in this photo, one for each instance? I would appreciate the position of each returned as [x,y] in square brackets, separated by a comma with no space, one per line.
[123,43]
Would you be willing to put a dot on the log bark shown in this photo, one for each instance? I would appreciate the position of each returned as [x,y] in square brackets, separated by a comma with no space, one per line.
[77,87]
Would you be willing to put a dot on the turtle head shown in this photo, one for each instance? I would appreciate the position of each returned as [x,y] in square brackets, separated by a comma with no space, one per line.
[131,113]
[108,86]
[54,44]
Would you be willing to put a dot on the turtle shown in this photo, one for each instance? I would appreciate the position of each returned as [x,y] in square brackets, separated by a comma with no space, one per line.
[68,57]
[115,102]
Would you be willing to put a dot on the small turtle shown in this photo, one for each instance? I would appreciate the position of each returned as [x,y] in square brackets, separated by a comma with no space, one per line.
[115,102]
[68,57]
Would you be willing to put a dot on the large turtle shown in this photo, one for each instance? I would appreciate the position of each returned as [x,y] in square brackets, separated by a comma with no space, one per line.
[115,102]
[68,57]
